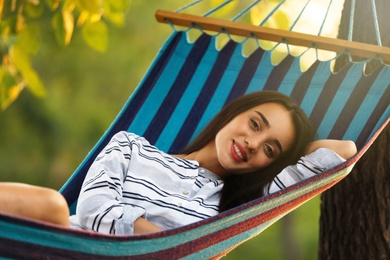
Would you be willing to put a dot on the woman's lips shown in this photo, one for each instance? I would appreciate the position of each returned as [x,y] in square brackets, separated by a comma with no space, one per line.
[238,152]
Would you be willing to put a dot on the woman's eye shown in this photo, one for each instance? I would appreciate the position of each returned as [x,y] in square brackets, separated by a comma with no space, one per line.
[255,125]
[269,151]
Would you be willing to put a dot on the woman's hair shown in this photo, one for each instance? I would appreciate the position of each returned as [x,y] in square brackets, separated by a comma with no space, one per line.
[242,188]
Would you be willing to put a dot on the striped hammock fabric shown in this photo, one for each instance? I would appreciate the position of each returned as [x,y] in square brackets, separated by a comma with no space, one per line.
[184,88]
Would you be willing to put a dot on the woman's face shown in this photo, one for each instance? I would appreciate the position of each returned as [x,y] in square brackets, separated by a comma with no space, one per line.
[255,138]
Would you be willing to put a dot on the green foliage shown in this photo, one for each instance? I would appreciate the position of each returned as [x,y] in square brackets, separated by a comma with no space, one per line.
[20,37]
[96,35]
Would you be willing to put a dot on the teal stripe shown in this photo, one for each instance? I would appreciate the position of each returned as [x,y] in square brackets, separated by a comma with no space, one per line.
[383,118]
[290,79]
[316,86]
[261,74]
[368,105]
[190,95]
[161,88]
[352,78]
[224,87]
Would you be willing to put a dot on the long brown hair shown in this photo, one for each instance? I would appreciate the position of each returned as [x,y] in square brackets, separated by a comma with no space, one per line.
[242,188]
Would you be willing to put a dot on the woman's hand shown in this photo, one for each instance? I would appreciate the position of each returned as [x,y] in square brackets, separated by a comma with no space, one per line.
[142,226]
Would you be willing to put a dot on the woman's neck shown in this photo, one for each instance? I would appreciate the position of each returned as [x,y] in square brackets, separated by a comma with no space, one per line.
[207,158]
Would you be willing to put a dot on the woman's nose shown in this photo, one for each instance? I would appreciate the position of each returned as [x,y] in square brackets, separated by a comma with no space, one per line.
[253,143]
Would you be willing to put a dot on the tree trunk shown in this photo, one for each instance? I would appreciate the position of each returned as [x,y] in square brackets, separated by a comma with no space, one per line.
[355,214]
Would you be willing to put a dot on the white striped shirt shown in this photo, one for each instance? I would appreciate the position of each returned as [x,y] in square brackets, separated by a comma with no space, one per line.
[131,178]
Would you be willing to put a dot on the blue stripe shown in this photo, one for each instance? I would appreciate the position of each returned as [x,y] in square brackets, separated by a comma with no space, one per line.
[204,97]
[184,76]
[262,73]
[380,114]
[320,77]
[186,103]
[291,77]
[327,94]
[161,88]
[224,87]
[352,78]
[368,105]
[136,101]
[245,76]
[303,83]
[358,95]
[278,73]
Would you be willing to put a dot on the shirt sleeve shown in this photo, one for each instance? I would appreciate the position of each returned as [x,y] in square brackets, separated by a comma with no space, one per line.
[316,162]
[100,206]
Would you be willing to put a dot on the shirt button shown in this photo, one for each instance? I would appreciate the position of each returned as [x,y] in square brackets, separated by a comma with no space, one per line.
[193,177]
[202,171]
[185,192]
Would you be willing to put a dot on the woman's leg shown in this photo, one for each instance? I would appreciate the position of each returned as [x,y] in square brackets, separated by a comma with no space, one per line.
[34,202]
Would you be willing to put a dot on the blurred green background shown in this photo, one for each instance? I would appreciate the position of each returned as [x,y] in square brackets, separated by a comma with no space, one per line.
[43,140]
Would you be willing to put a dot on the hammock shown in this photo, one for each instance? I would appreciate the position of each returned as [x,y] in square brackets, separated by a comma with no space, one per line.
[184,87]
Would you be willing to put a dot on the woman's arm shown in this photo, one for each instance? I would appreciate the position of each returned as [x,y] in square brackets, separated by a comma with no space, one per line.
[101,206]
[345,148]
[314,162]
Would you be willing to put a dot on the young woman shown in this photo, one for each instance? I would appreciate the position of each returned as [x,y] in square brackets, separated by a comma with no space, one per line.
[135,188]
[132,187]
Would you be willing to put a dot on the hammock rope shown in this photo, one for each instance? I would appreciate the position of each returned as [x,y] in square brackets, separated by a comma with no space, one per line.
[351,20]
[376,24]
[299,16]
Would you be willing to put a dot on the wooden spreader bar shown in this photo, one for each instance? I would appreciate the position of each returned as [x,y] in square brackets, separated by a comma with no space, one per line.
[358,49]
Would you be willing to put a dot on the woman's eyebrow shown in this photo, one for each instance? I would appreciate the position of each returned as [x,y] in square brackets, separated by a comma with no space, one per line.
[279,145]
[263,118]
[266,123]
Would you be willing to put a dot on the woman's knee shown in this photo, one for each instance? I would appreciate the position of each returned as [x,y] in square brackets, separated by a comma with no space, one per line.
[34,202]
[57,210]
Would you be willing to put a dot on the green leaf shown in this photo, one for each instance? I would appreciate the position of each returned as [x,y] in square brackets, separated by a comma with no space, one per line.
[9,90]
[117,5]
[29,39]
[52,4]
[116,18]
[34,82]
[20,58]
[96,35]
[33,10]
[92,6]
[21,61]
[59,30]
[63,24]
[115,11]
